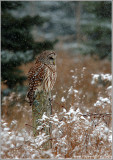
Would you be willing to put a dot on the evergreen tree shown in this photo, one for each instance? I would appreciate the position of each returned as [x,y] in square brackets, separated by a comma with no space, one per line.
[96,28]
[17,44]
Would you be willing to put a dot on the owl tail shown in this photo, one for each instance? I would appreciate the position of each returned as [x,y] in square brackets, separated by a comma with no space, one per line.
[30,96]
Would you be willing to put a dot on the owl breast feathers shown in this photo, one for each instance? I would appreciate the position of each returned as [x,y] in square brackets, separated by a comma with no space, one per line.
[42,75]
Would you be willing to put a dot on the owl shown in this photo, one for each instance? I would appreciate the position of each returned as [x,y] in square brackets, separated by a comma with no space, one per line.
[42,75]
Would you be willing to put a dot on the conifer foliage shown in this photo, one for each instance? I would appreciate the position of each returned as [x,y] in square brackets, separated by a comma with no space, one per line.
[96,26]
[17,43]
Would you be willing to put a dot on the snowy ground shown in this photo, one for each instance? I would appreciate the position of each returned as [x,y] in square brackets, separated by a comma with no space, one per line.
[81,119]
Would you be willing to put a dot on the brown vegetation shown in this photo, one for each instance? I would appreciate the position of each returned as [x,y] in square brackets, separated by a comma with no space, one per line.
[74,86]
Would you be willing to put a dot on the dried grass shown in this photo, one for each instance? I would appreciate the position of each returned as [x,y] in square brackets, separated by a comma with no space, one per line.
[74,133]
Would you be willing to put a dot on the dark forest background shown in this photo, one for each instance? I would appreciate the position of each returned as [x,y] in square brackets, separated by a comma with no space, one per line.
[27,28]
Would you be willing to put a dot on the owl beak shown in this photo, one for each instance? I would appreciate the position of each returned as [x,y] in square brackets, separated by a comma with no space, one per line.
[54,62]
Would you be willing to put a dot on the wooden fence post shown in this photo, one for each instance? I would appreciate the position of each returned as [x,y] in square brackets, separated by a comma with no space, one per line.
[40,105]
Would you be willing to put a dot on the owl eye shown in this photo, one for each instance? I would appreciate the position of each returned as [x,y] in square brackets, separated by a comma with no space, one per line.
[51,58]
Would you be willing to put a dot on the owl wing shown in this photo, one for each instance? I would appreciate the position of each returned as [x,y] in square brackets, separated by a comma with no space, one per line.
[35,77]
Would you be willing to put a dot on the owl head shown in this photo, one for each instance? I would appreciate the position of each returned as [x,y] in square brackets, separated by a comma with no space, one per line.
[48,57]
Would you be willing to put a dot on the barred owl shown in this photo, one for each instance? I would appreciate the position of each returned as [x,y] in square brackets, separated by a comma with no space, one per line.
[42,75]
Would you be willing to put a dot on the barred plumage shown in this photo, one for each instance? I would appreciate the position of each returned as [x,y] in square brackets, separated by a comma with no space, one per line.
[42,75]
